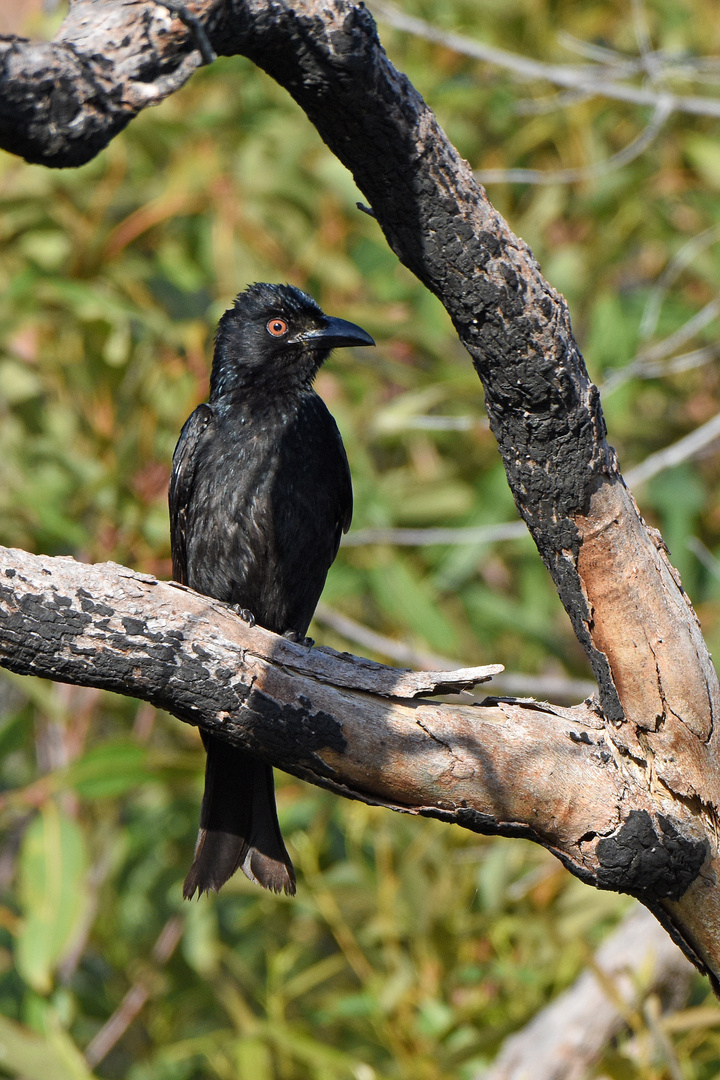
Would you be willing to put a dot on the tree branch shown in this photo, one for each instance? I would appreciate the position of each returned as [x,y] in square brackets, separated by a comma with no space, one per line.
[358,728]
[627,798]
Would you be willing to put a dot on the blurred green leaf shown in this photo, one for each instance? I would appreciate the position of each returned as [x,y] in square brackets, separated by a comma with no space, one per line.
[253,1059]
[404,596]
[18,383]
[703,153]
[53,868]
[201,944]
[29,1056]
[108,770]
[612,339]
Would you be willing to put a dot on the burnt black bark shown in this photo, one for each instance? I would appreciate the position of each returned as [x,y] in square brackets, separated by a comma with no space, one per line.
[652,860]
[542,407]
[659,694]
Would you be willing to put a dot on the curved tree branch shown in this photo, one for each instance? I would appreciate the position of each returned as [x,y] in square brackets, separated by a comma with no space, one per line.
[627,797]
[361,729]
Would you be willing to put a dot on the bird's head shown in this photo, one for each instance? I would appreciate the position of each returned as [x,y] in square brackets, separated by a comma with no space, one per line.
[276,337]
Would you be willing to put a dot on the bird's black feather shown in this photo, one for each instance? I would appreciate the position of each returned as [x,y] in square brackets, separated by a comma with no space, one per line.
[260,494]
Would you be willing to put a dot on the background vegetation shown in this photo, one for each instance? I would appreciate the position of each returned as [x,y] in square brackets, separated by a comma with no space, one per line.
[412,948]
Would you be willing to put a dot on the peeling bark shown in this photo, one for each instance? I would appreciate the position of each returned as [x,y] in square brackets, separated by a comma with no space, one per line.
[627,796]
[364,730]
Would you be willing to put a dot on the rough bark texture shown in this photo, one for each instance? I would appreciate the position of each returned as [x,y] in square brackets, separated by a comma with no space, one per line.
[361,729]
[627,797]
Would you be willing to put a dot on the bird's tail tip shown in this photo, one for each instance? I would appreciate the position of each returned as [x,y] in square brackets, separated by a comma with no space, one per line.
[272,874]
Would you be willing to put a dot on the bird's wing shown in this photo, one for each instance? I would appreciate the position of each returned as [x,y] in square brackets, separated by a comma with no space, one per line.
[181,485]
[337,480]
[346,496]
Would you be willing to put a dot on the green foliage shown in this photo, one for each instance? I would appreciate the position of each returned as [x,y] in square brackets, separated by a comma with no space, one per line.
[412,948]
[36,1057]
[51,890]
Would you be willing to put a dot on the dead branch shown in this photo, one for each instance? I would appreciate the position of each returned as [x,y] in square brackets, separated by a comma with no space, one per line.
[606,77]
[355,727]
[628,797]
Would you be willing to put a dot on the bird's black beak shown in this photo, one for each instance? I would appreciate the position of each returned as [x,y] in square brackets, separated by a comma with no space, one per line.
[335,334]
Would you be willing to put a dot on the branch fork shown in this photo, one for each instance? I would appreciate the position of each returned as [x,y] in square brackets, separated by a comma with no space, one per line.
[625,792]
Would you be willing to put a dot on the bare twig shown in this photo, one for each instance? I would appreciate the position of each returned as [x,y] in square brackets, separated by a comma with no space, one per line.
[674,455]
[115,1027]
[596,81]
[584,172]
[702,318]
[365,638]
[540,106]
[465,534]
[704,555]
[651,62]
[653,369]
[700,68]
[620,63]
[680,260]
[653,354]
[433,422]
[544,687]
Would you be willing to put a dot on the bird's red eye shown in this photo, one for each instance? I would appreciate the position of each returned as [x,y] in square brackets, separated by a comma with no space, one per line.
[277,327]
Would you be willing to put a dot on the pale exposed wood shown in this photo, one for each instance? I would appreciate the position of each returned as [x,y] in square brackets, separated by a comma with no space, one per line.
[515,768]
[642,621]
[628,796]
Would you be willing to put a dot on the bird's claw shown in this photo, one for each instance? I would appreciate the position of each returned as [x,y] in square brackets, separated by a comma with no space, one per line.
[245,614]
[293,635]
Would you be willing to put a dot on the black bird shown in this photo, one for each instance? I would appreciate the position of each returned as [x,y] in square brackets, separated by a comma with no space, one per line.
[259,496]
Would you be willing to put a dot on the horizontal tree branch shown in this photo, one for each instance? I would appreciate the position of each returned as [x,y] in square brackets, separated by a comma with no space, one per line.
[627,797]
[109,627]
[502,767]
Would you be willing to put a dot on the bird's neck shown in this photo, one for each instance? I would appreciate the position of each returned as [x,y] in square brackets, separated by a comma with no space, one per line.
[258,383]
[255,400]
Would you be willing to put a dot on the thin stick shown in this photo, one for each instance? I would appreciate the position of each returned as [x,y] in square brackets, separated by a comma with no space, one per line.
[113,1030]
[594,81]
[584,172]
[543,687]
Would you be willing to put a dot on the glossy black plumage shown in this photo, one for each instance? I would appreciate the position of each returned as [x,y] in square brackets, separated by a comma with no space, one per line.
[260,494]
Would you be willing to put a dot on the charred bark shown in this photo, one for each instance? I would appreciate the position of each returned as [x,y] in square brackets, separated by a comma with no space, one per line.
[627,796]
